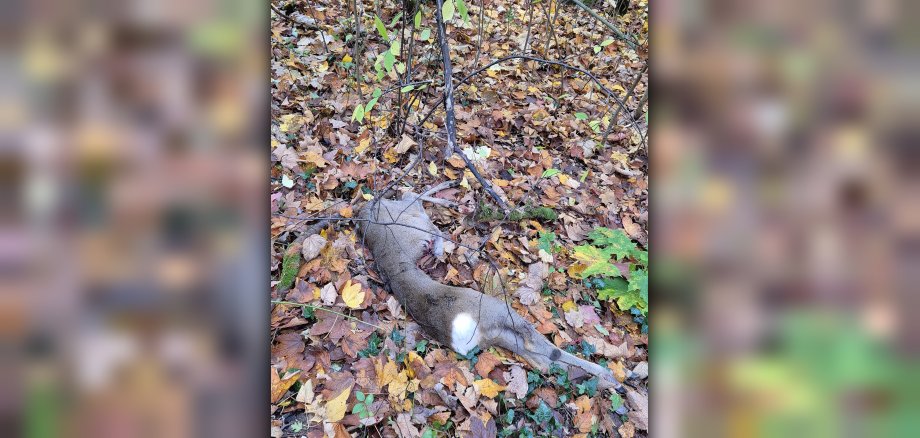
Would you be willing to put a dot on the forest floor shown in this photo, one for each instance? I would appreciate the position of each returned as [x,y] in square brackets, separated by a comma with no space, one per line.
[346,360]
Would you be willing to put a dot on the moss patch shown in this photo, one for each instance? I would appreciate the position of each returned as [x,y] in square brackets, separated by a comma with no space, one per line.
[290,264]
[490,213]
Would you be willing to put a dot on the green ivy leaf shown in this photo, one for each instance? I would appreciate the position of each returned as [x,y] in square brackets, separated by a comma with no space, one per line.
[447,10]
[581,116]
[543,413]
[596,260]
[546,240]
[615,401]
[426,34]
[381,29]
[418,19]
[548,173]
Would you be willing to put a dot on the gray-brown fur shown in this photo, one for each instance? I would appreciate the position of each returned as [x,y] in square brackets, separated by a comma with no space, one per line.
[398,232]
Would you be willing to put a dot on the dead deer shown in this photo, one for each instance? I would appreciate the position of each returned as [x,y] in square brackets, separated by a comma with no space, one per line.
[398,233]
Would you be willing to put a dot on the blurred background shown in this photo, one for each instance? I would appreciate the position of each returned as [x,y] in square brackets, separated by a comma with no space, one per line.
[134,243]
[785,269]
[133,218]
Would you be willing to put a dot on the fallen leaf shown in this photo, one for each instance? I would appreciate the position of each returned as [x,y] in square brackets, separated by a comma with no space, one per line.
[517,382]
[394,307]
[607,349]
[404,427]
[638,412]
[280,385]
[328,294]
[529,291]
[352,294]
[404,144]
[480,430]
[306,394]
[486,363]
[488,388]
[335,408]
[627,430]
[312,246]
[387,373]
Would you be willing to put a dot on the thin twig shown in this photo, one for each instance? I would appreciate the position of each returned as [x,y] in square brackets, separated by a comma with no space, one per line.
[481,21]
[616,115]
[529,26]
[357,54]
[638,112]
[629,41]
[322,34]
[449,121]
[291,303]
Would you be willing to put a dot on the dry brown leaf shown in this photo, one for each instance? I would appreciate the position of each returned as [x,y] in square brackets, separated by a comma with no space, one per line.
[312,246]
[517,382]
[638,408]
[486,363]
[328,295]
[306,394]
[605,348]
[627,430]
[405,143]
[529,291]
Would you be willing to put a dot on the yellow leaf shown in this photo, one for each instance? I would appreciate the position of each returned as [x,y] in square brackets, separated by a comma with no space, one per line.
[575,270]
[563,178]
[347,58]
[568,306]
[363,145]
[346,212]
[291,122]
[280,385]
[315,158]
[335,409]
[432,169]
[465,184]
[390,155]
[387,374]
[488,388]
[352,294]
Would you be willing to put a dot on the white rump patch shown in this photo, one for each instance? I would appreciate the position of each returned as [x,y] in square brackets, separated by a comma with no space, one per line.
[464,336]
